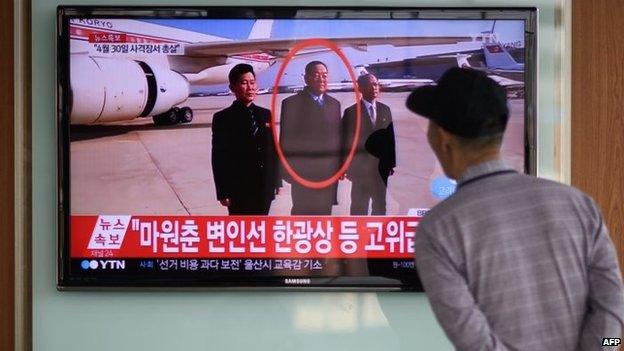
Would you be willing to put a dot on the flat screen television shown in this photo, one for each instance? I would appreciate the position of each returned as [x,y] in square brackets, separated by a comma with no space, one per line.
[164,181]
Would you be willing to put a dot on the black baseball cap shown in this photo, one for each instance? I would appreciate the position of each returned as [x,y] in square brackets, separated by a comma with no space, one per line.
[465,102]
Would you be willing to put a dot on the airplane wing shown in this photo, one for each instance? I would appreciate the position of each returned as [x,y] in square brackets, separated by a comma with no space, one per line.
[506,82]
[280,47]
[195,64]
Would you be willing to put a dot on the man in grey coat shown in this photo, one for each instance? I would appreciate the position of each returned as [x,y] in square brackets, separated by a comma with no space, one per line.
[509,261]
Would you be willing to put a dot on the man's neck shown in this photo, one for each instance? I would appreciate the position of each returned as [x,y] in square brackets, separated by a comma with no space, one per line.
[467,161]
[248,104]
[316,95]
[372,102]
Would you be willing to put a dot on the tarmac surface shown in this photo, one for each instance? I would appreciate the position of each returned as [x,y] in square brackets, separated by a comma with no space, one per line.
[138,168]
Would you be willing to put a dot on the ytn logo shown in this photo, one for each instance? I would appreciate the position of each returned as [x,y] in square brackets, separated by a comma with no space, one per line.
[611,341]
[103,264]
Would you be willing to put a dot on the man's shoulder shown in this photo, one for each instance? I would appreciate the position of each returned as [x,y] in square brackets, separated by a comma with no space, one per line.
[521,187]
[222,113]
[381,105]
[330,99]
[384,110]
[563,192]
[295,98]
[261,110]
[548,186]
[232,108]
[351,109]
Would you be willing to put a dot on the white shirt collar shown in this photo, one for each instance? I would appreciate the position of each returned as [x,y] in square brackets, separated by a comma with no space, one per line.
[315,97]
[369,104]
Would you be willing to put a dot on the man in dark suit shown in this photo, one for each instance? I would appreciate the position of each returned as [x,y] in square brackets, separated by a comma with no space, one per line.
[375,156]
[244,161]
[310,138]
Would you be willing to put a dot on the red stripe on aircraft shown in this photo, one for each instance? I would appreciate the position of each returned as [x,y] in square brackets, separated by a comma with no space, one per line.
[255,57]
[494,49]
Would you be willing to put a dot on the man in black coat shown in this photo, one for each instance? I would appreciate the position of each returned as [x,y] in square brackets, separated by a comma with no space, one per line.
[375,155]
[244,161]
[310,138]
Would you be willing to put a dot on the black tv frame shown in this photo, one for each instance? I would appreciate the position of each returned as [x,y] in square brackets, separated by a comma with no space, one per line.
[67,281]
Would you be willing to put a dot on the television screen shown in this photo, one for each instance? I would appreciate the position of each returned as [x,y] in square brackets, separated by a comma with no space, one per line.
[264,147]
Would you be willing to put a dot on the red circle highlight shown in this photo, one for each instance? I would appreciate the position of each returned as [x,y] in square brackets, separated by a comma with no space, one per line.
[345,165]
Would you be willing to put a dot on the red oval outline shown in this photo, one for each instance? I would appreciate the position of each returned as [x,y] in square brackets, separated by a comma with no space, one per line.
[345,165]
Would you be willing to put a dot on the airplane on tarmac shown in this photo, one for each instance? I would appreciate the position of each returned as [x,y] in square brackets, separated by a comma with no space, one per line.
[499,65]
[430,65]
[514,87]
[498,60]
[395,84]
[121,69]
[388,85]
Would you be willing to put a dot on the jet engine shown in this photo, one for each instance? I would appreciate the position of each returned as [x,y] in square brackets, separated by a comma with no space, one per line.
[111,89]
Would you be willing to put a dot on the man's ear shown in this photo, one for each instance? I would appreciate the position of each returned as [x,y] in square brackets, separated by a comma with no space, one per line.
[446,139]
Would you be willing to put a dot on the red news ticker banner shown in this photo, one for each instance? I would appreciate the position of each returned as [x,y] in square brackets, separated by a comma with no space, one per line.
[243,236]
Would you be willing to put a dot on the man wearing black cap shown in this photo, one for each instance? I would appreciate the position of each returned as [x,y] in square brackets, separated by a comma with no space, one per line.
[510,261]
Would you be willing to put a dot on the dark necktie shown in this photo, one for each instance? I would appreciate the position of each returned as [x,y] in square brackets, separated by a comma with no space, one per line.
[254,124]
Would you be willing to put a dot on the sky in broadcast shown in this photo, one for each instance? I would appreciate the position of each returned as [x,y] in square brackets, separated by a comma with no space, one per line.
[509,32]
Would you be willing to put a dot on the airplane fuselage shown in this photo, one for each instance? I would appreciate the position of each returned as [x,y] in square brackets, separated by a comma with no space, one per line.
[123,69]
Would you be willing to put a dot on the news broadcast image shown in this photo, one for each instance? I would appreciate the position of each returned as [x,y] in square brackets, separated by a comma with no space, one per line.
[143,202]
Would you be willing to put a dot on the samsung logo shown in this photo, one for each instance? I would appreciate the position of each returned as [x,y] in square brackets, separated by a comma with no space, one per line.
[297,281]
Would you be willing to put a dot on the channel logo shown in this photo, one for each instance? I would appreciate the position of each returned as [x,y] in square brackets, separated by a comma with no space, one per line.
[443,187]
[103,264]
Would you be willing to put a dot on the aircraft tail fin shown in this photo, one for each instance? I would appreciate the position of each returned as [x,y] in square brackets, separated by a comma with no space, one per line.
[262,29]
[497,57]
[462,59]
